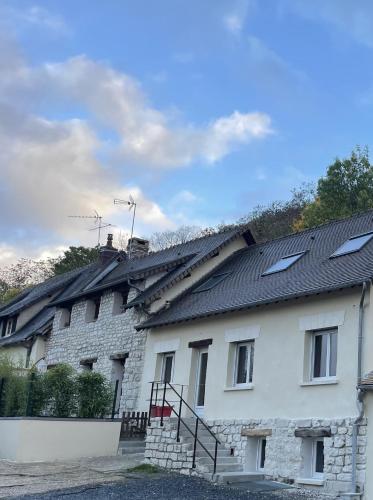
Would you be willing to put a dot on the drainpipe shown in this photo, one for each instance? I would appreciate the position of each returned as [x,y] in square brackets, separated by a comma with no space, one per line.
[360,394]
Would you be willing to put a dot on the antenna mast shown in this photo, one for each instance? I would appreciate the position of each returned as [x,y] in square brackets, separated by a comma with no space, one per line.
[131,205]
[97,220]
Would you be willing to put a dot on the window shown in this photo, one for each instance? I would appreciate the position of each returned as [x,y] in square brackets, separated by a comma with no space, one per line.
[318,458]
[261,454]
[324,354]
[167,367]
[11,326]
[66,317]
[243,370]
[284,263]
[96,311]
[211,283]
[354,244]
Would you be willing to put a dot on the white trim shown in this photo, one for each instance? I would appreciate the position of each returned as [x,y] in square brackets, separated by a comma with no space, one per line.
[249,347]
[164,357]
[321,333]
[240,387]
[166,346]
[242,334]
[259,454]
[200,409]
[320,381]
[316,475]
[320,321]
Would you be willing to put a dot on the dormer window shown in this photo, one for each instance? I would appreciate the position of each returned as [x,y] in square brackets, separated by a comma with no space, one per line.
[120,301]
[66,317]
[11,326]
[354,244]
[96,312]
[93,309]
[284,263]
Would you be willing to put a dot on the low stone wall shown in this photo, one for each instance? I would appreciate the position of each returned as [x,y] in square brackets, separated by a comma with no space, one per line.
[38,439]
[284,456]
[163,450]
[284,450]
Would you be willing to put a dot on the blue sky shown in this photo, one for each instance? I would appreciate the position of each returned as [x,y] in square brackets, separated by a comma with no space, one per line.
[200,109]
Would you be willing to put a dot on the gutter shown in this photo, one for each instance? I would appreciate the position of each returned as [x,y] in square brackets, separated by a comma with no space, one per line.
[360,393]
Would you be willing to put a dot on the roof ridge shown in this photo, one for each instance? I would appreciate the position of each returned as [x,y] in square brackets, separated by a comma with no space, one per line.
[236,228]
[320,226]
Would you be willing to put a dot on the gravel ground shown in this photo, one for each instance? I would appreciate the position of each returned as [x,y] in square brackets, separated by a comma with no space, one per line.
[167,486]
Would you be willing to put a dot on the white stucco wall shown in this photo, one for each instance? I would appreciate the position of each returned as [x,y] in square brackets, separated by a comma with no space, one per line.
[27,440]
[278,374]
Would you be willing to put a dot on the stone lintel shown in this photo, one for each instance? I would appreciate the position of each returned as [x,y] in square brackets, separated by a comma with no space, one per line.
[318,432]
[87,361]
[119,355]
[256,432]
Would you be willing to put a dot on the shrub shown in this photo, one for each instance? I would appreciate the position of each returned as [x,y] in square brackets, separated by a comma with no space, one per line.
[61,391]
[37,394]
[95,396]
[13,388]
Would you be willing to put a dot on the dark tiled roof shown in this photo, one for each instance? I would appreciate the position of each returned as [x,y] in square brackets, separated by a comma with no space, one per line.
[38,292]
[178,260]
[36,326]
[315,272]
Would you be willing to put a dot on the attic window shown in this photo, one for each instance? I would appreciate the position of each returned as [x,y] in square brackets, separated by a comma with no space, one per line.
[211,282]
[354,244]
[284,263]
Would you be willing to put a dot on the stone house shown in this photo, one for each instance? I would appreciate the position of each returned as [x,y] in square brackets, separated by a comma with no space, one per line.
[94,321]
[271,350]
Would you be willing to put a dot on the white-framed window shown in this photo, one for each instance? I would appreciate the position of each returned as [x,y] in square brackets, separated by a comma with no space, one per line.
[11,326]
[317,458]
[244,363]
[324,354]
[261,453]
[168,359]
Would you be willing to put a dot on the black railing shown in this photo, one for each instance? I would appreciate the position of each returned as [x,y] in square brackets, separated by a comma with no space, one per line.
[161,388]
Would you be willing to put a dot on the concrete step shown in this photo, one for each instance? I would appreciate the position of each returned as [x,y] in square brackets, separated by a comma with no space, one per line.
[220,460]
[131,447]
[223,467]
[229,477]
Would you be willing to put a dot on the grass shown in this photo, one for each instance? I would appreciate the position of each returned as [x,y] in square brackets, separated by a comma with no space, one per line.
[147,468]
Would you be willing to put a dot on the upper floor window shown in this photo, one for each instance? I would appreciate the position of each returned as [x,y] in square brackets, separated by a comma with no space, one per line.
[97,303]
[284,263]
[244,363]
[354,244]
[167,366]
[93,309]
[324,354]
[66,317]
[120,301]
[11,326]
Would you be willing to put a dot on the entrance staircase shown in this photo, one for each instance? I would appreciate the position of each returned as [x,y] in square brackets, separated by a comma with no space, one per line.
[132,447]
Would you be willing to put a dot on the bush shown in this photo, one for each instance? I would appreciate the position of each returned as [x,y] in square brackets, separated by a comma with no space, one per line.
[13,388]
[95,396]
[38,394]
[60,390]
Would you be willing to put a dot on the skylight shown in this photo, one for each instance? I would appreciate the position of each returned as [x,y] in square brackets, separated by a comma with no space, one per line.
[354,244]
[284,263]
[211,282]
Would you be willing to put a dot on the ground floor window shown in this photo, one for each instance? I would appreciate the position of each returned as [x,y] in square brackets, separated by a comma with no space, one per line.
[255,453]
[261,454]
[318,458]
[167,366]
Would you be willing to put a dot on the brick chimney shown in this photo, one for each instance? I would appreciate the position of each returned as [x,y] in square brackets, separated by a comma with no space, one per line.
[107,252]
[137,247]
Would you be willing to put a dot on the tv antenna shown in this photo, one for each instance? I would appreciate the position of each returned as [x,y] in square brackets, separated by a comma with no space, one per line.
[97,218]
[131,205]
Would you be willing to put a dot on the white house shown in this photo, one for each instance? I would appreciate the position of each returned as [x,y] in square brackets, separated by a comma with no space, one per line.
[271,349]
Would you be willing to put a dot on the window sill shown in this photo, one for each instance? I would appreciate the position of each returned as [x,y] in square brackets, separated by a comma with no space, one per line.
[244,387]
[310,481]
[322,381]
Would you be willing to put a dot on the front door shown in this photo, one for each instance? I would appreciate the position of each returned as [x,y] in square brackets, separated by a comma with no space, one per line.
[201,381]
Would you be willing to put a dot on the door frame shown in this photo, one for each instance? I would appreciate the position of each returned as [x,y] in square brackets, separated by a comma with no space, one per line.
[199,409]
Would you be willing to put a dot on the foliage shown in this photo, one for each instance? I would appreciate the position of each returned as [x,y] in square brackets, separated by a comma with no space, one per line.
[73,258]
[146,468]
[13,388]
[38,393]
[60,382]
[346,190]
[94,394]
[166,239]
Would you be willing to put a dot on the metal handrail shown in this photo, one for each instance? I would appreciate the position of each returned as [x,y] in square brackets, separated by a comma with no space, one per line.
[181,420]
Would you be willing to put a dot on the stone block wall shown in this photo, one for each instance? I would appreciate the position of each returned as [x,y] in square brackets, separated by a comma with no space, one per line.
[163,450]
[110,334]
[284,460]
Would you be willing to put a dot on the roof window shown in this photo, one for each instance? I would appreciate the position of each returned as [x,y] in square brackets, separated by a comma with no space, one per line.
[354,244]
[211,282]
[284,263]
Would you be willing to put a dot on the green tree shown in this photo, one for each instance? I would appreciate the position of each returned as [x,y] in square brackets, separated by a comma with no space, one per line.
[95,396]
[73,258]
[346,190]
[61,390]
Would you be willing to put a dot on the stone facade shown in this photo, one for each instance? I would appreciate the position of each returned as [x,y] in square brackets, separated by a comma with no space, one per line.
[111,334]
[285,456]
[163,450]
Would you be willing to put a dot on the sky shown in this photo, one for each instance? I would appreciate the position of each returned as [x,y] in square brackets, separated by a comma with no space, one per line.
[199,109]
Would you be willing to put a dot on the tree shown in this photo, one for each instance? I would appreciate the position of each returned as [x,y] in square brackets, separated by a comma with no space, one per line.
[73,258]
[346,190]
[166,239]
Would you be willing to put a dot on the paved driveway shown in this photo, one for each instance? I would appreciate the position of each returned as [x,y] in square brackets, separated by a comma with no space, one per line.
[168,487]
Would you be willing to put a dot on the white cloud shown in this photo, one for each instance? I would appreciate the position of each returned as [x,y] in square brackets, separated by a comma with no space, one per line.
[235,19]
[348,16]
[17,19]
